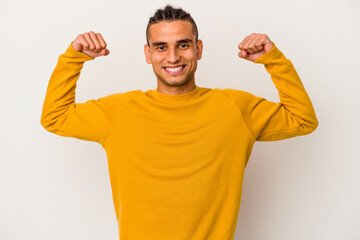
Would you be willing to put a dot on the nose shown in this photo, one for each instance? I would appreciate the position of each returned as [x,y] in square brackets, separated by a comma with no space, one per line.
[173,56]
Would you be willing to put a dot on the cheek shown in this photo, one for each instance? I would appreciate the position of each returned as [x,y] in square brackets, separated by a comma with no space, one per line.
[190,56]
[156,59]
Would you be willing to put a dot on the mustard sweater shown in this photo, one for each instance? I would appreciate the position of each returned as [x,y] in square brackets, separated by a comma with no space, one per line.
[176,162]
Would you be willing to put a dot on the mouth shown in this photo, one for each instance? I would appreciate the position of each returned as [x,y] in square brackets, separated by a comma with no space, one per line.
[173,70]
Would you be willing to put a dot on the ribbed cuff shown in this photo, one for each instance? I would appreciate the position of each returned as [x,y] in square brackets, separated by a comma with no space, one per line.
[274,60]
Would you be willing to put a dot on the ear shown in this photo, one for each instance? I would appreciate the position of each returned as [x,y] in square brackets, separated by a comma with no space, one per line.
[147,53]
[199,48]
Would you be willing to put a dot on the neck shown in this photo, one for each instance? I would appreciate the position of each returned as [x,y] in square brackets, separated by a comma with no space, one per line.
[176,89]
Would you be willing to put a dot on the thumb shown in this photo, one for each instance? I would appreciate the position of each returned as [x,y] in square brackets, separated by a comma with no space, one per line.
[105,52]
[77,46]
[244,53]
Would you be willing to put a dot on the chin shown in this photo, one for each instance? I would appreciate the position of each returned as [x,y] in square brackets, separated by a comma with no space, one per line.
[176,83]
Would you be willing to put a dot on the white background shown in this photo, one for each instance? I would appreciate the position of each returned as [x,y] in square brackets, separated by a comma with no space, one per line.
[308,187]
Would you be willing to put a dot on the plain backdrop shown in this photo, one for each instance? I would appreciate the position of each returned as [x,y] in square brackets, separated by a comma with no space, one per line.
[307,187]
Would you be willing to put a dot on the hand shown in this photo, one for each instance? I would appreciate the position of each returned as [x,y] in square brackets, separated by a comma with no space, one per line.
[91,44]
[254,46]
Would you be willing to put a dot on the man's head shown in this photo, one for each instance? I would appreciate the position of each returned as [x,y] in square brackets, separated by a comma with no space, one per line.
[173,48]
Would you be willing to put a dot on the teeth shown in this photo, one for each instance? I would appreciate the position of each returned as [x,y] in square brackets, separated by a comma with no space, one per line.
[174,69]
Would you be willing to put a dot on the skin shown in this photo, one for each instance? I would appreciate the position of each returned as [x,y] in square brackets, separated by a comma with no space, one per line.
[254,46]
[173,44]
[91,44]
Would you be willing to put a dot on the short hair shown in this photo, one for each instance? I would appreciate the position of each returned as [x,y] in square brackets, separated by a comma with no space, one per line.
[170,13]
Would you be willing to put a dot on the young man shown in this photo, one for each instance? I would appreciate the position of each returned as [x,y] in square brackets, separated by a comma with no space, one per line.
[177,154]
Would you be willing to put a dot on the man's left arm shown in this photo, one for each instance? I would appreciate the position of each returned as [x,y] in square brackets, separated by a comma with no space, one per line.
[294,115]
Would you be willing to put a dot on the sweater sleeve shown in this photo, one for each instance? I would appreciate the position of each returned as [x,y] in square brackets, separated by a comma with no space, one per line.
[293,116]
[61,115]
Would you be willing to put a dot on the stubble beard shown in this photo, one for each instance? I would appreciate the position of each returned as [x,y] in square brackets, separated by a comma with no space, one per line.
[178,83]
[175,83]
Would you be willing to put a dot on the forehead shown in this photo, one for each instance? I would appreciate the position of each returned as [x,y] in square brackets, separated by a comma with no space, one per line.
[167,31]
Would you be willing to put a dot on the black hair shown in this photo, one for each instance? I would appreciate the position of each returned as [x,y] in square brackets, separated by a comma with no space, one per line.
[170,13]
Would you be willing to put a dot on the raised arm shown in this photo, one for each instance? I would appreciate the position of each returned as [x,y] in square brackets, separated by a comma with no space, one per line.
[60,114]
[294,115]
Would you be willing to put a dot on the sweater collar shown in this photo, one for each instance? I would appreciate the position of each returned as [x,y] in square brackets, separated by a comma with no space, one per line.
[177,98]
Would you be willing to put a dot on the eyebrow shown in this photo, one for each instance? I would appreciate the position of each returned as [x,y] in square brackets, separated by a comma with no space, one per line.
[186,40]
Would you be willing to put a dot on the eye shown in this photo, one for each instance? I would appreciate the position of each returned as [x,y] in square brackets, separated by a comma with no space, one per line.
[161,48]
[183,45]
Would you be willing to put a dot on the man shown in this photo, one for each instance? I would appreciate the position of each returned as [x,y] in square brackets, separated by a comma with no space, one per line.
[177,154]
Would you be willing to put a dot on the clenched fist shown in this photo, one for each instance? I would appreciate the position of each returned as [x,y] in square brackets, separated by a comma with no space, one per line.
[91,44]
[254,46]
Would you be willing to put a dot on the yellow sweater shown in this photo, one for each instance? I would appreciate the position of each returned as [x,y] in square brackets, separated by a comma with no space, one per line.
[176,162]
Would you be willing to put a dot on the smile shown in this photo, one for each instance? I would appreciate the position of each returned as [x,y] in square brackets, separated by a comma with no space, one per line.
[174,70]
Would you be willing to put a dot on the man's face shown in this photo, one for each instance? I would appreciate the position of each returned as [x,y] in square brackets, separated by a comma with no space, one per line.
[173,52]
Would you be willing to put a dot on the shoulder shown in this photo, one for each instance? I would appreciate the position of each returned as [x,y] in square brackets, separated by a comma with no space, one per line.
[234,93]
[241,98]
[120,97]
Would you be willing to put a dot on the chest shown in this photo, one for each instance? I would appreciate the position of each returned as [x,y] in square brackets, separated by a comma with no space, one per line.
[177,136]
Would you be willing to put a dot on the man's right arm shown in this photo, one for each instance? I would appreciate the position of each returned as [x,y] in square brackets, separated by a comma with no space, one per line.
[61,115]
